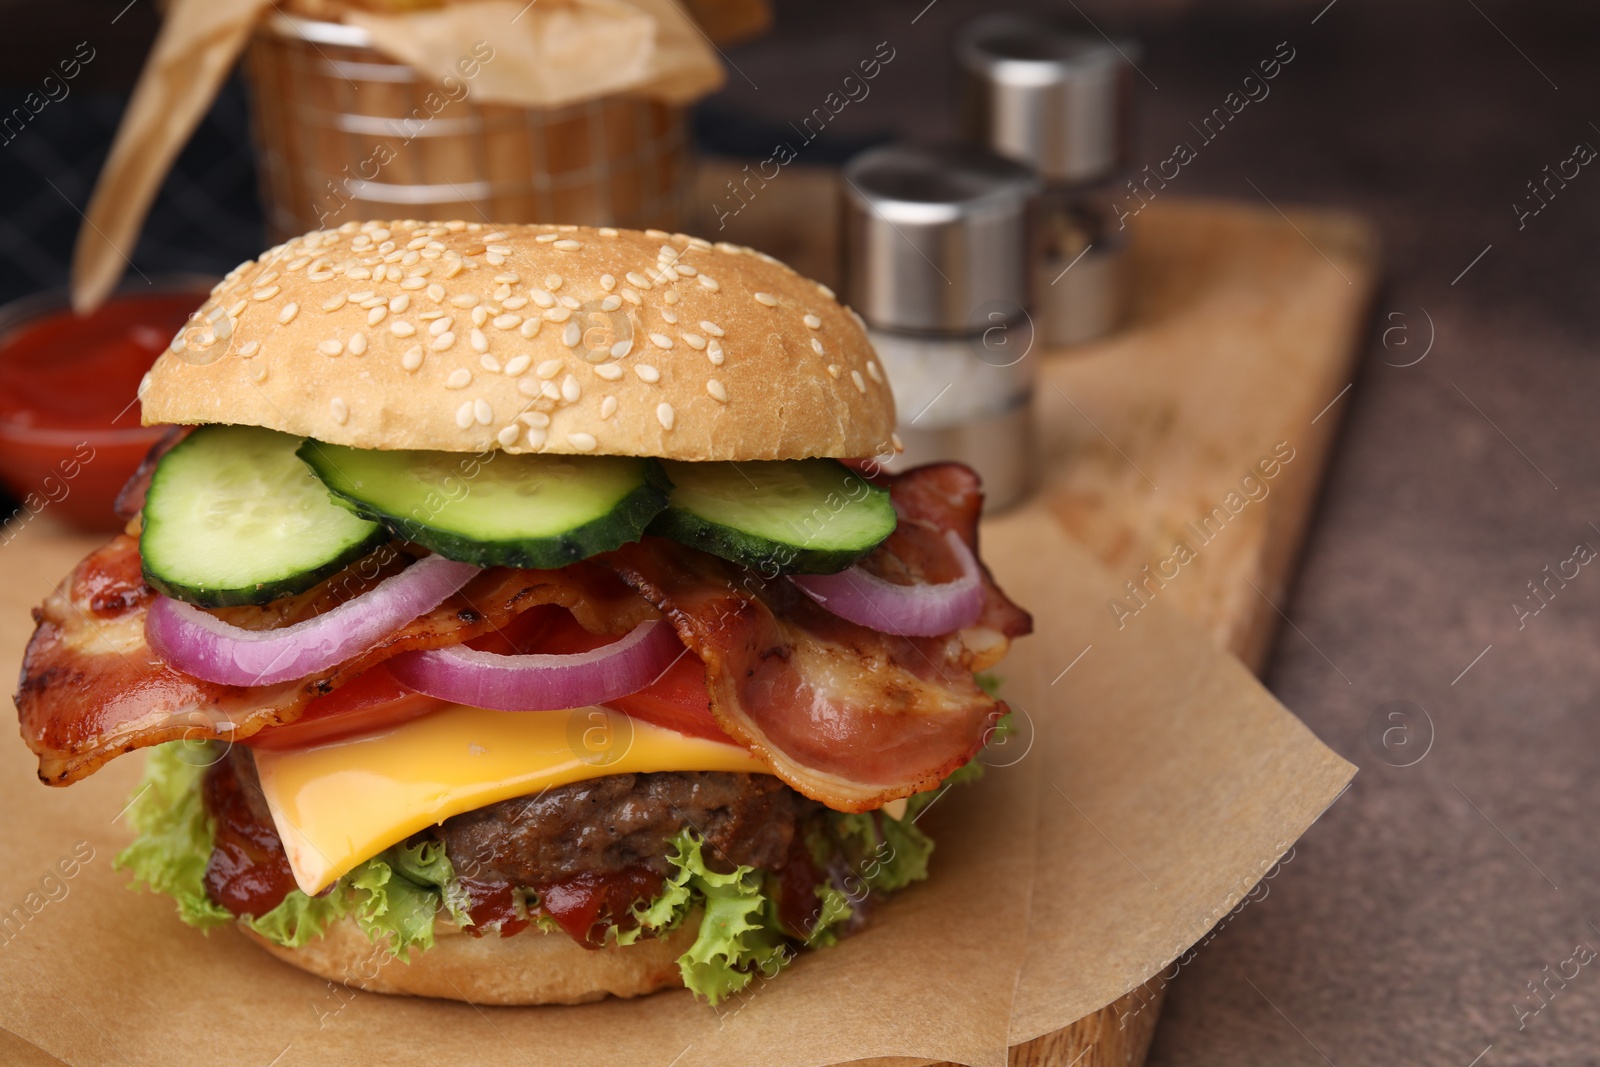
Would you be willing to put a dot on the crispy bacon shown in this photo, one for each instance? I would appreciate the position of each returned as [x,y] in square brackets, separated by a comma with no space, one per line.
[91,688]
[848,716]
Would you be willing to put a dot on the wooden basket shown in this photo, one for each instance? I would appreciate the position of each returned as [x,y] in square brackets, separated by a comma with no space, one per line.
[344,132]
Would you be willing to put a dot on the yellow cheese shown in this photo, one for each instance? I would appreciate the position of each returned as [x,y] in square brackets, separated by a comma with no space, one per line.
[338,804]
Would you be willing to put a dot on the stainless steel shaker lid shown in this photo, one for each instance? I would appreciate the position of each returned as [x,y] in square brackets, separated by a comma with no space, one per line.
[936,237]
[1043,95]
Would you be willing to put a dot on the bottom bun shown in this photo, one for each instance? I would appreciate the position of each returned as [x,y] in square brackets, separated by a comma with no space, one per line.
[531,967]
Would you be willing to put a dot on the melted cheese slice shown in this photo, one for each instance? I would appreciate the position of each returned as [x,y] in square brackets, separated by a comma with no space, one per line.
[338,804]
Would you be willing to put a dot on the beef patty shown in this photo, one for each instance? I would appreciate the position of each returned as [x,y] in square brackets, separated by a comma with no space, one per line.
[625,822]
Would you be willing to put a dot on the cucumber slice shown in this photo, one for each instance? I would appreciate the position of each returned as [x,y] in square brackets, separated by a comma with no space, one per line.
[497,509]
[806,516]
[232,517]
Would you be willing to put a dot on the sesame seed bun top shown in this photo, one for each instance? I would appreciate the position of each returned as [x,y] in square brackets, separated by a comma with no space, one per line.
[568,339]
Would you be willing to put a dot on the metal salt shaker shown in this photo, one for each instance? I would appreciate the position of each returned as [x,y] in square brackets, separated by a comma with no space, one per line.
[938,262]
[1061,103]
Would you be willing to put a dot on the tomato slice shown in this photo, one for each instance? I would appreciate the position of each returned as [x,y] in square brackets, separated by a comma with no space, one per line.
[370,701]
[374,699]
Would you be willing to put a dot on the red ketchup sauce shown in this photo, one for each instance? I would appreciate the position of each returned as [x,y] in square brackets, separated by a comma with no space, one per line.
[248,872]
[69,417]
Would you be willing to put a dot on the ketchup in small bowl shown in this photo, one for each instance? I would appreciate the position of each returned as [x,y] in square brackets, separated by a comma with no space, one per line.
[69,409]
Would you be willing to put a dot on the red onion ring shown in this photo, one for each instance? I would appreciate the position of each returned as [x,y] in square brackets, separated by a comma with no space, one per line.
[204,646]
[540,682]
[907,610]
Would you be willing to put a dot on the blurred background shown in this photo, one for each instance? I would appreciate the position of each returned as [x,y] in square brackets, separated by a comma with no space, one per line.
[1419,915]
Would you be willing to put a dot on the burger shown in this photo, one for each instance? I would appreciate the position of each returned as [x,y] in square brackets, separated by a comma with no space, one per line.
[524,614]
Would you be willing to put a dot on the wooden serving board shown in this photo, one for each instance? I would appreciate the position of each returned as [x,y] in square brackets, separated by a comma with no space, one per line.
[1241,340]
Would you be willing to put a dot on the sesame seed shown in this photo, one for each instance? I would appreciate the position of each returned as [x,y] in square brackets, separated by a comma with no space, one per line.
[402,328]
[436,293]
[536,437]
[609,371]
[659,235]
[517,364]
[661,340]
[372,302]
[441,325]
[249,349]
[664,415]
[290,310]
[502,250]
[712,328]
[358,344]
[480,315]
[267,278]
[259,372]
[502,292]
[464,415]
[265,294]
[709,282]
[297,263]
[899,445]
[482,411]
[873,372]
[375,315]
[330,347]
[558,314]
[671,296]
[669,317]
[530,327]
[647,373]
[489,363]
[360,274]
[508,435]
[568,245]
[816,346]
[700,243]
[464,300]
[527,388]
[833,370]
[570,391]
[622,348]
[549,390]
[459,378]
[494,258]
[684,270]
[542,298]
[861,386]
[607,231]
[514,303]
[637,280]
[718,391]
[583,442]
[535,418]
[397,304]
[552,282]
[714,353]
[766,298]
[414,283]
[444,341]
[812,321]
[480,343]
[340,410]
[667,252]
[611,303]
[608,407]
[546,238]
[694,341]
[549,368]
[572,335]
[569,302]
[454,268]
[730,249]
[507,321]
[631,296]
[412,359]
[607,282]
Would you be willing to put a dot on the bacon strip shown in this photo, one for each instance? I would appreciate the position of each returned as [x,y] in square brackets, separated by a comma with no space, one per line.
[91,688]
[848,716]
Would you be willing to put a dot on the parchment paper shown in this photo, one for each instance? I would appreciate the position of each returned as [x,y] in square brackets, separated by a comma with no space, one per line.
[1178,766]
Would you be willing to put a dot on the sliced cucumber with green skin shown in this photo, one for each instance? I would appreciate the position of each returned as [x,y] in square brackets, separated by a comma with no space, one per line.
[804,516]
[495,508]
[232,517]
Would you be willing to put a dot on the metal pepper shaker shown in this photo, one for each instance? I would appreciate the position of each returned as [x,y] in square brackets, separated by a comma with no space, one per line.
[1060,102]
[938,262]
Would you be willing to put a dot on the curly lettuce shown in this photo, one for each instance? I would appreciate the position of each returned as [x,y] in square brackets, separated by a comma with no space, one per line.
[392,897]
